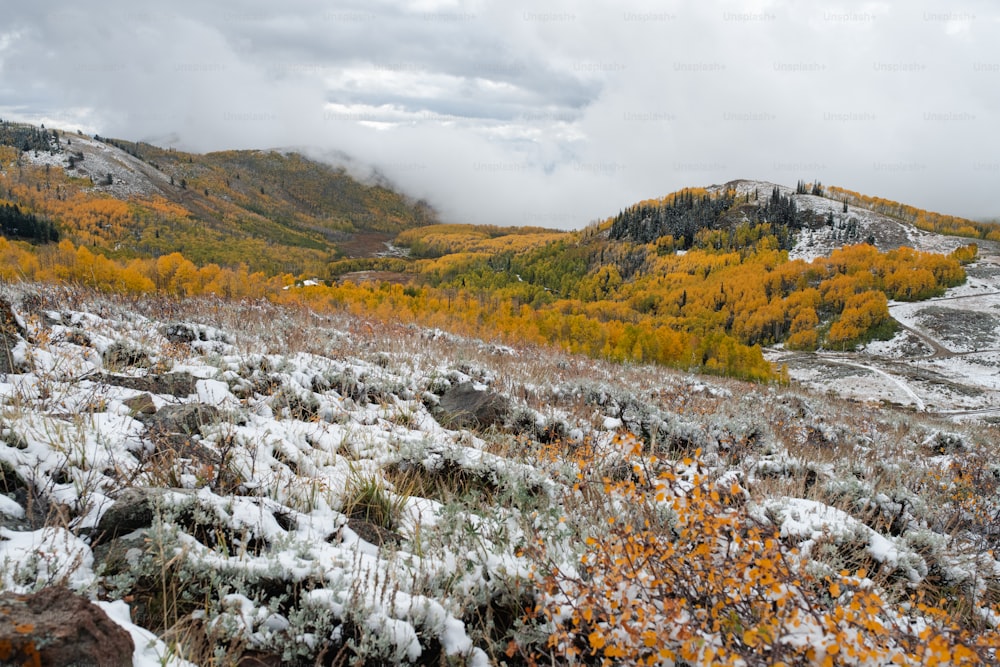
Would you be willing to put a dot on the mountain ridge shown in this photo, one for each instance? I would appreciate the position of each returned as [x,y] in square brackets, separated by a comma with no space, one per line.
[226,207]
[318,211]
[700,279]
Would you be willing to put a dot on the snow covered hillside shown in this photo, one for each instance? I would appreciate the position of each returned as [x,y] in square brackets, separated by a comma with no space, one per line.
[944,359]
[110,168]
[855,225]
[236,481]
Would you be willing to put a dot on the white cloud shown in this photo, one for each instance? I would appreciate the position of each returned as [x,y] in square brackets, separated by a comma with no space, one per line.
[515,114]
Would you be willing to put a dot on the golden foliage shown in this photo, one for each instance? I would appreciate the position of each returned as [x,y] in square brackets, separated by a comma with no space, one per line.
[927,220]
[684,574]
[438,240]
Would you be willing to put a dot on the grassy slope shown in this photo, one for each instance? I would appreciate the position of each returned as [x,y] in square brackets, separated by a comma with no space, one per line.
[277,212]
[333,419]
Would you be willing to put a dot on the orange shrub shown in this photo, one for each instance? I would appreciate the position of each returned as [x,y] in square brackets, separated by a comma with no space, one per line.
[684,574]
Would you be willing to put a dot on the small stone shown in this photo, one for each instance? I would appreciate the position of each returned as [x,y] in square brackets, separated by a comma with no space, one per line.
[141,405]
[187,418]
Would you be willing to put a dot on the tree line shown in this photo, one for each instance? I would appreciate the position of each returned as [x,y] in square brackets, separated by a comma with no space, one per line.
[682,216]
[15,223]
[28,138]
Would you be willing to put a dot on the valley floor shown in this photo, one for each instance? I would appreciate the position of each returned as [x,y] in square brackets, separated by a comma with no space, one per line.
[944,360]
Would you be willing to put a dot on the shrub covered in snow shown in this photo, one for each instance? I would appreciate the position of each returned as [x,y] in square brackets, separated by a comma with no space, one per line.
[259,481]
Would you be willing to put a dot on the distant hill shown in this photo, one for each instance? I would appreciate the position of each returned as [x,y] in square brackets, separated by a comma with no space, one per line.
[810,220]
[275,211]
[704,278]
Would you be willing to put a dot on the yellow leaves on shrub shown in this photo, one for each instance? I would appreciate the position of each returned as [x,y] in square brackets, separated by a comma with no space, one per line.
[715,587]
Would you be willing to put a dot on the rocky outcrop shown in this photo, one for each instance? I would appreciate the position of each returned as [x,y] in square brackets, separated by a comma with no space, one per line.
[55,626]
[466,406]
[180,385]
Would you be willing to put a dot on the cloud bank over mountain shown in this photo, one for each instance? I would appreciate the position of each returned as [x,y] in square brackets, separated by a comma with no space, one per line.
[512,114]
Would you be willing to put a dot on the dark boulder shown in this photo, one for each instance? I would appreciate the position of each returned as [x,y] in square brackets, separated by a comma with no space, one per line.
[55,626]
[134,508]
[465,406]
[187,418]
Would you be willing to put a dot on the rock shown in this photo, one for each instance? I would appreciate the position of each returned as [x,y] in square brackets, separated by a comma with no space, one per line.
[55,626]
[179,332]
[118,555]
[141,405]
[180,385]
[185,332]
[372,532]
[178,445]
[465,406]
[133,509]
[125,355]
[187,418]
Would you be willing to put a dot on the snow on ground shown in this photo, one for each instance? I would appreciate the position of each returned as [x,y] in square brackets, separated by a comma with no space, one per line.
[255,506]
[130,176]
[856,225]
[150,651]
[299,448]
[945,358]
[962,324]
[808,522]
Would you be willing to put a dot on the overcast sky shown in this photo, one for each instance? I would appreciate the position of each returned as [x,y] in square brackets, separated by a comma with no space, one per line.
[551,114]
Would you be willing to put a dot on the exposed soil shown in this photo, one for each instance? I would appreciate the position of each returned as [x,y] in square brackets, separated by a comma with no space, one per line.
[394,277]
[965,329]
[364,244]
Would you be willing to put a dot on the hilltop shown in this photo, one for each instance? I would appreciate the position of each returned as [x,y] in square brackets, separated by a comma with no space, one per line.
[859,219]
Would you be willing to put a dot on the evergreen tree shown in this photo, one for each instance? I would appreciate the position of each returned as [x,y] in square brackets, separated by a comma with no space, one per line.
[16,223]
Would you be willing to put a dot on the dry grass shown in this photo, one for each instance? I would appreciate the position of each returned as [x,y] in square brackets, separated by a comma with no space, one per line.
[783,442]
